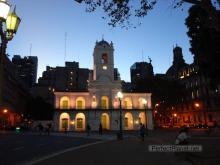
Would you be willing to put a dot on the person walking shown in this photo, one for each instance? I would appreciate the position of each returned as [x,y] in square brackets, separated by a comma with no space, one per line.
[100,129]
[142,131]
[88,129]
[40,128]
[48,128]
[146,131]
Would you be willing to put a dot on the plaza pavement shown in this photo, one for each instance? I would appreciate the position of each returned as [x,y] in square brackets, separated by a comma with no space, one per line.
[105,149]
[132,150]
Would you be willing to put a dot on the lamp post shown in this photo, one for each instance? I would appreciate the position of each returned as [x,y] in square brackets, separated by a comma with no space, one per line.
[174,118]
[11,22]
[199,107]
[144,101]
[120,134]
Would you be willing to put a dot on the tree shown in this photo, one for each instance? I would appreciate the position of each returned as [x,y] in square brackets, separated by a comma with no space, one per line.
[120,11]
[38,109]
[203,25]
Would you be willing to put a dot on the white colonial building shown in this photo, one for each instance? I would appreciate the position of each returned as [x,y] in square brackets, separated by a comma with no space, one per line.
[100,104]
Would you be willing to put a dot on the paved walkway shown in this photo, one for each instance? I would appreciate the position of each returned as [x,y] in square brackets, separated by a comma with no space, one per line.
[131,150]
[126,152]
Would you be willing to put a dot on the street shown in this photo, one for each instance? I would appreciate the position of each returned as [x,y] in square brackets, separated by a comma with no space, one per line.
[19,148]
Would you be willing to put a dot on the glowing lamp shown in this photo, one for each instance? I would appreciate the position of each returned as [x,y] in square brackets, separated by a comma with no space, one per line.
[12,23]
[119,95]
[197,105]
[5,111]
[4,9]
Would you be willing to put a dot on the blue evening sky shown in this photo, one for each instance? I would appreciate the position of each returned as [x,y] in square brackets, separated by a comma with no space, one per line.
[45,22]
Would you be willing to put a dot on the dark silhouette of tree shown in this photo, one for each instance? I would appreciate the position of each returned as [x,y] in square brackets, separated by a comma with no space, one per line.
[204,31]
[38,109]
[120,11]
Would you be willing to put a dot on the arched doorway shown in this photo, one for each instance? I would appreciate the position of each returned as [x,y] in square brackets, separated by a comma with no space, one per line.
[128,121]
[142,118]
[80,122]
[104,102]
[105,121]
[64,122]
[64,102]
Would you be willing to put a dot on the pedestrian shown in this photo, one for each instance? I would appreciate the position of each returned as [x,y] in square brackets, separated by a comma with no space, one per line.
[88,129]
[48,128]
[40,128]
[65,128]
[216,128]
[100,129]
[146,131]
[142,131]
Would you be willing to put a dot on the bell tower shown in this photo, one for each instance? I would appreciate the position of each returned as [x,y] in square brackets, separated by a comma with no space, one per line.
[103,86]
[103,66]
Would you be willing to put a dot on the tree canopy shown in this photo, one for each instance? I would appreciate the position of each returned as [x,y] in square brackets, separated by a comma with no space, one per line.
[204,32]
[119,12]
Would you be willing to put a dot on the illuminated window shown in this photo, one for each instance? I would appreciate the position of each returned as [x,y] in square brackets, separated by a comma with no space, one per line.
[104,102]
[80,103]
[126,104]
[64,103]
[192,95]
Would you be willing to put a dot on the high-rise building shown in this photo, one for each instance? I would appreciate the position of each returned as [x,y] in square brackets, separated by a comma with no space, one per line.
[141,73]
[61,78]
[26,69]
[65,78]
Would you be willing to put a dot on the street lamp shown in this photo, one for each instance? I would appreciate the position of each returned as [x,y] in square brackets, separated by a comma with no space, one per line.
[144,101]
[120,134]
[174,118]
[198,106]
[4,9]
[11,21]
[5,111]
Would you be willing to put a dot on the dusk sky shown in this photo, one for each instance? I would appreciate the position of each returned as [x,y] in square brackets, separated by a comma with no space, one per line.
[45,22]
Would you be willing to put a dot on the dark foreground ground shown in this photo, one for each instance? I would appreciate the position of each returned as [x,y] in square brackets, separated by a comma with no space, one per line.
[45,150]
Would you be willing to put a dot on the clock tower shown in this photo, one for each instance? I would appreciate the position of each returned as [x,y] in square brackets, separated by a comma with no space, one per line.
[103,84]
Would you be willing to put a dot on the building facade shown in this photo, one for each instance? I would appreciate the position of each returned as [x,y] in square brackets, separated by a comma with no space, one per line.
[100,104]
[198,105]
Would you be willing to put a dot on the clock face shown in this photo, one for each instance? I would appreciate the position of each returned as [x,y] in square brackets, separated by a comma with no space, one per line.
[104,67]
